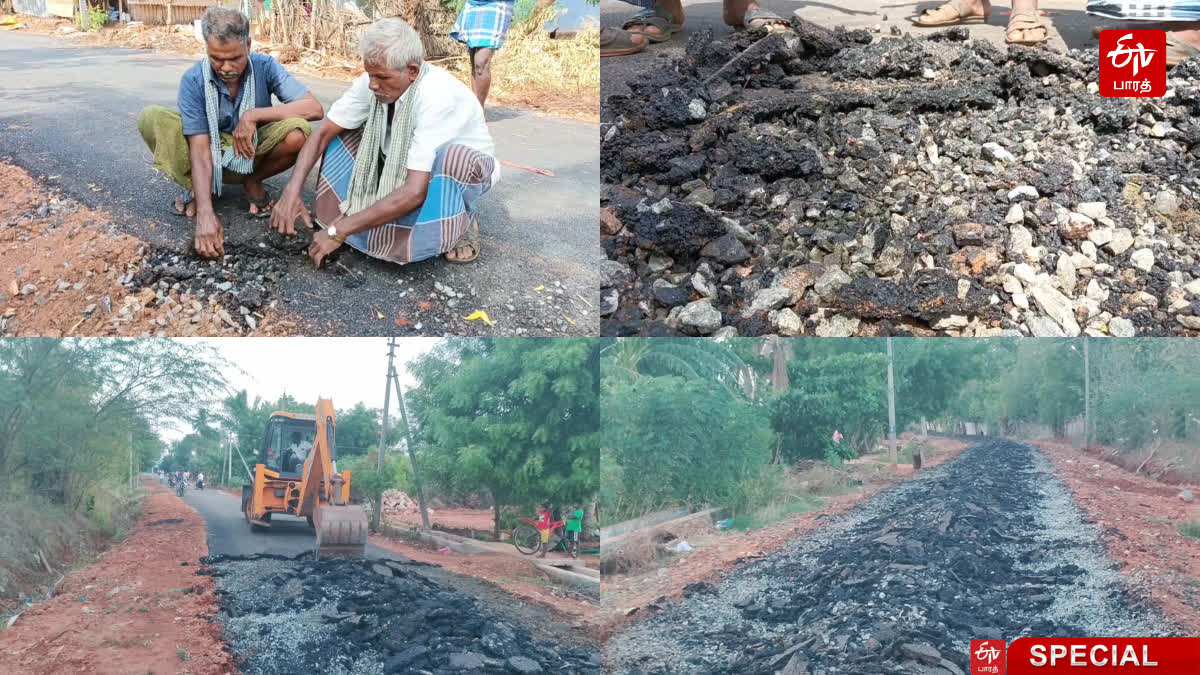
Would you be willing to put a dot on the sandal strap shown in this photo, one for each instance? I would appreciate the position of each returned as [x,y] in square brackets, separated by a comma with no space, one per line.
[761,14]
[958,5]
[648,18]
[263,203]
[1026,16]
[1025,24]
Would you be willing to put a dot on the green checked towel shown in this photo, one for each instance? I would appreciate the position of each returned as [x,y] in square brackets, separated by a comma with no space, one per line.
[229,159]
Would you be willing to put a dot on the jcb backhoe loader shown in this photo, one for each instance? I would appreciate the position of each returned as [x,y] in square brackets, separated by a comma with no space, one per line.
[296,474]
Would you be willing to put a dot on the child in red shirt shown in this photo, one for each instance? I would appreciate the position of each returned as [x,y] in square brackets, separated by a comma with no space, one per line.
[543,526]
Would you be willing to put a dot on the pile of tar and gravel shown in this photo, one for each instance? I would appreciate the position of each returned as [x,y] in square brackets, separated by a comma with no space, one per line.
[354,616]
[989,545]
[823,184]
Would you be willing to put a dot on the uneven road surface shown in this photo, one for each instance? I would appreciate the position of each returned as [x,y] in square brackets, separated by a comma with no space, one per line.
[988,545]
[284,613]
[71,112]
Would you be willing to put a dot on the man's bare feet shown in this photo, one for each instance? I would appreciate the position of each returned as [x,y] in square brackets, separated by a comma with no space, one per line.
[952,12]
[464,252]
[183,208]
[734,14]
[1026,25]
[256,193]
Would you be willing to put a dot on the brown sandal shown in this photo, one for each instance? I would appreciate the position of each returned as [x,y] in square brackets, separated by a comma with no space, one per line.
[182,202]
[470,238]
[965,15]
[1026,20]
[617,42]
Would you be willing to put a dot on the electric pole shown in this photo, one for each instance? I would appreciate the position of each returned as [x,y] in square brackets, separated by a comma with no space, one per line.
[891,406]
[1087,398]
[387,400]
[131,483]
[412,453]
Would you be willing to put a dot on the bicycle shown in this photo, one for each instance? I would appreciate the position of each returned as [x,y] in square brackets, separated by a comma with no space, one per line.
[526,538]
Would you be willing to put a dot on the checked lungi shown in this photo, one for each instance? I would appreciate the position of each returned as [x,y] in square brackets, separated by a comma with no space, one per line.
[1138,10]
[460,176]
[483,23]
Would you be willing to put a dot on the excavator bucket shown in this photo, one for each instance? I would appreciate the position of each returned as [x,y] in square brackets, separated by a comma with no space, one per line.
[341,531]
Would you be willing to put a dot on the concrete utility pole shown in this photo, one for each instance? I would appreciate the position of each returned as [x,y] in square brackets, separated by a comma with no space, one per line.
[891,405]
[131,483]
[1087,397]
[387,400]
[412,453]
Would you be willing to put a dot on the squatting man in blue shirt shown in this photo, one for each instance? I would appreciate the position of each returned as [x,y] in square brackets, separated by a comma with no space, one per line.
[226,130]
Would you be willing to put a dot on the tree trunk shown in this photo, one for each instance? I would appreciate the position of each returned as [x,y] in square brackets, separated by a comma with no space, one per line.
[779,374]
[495,517]
[312,26]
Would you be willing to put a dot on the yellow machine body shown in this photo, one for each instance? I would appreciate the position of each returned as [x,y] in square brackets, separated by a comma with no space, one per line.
[296,474]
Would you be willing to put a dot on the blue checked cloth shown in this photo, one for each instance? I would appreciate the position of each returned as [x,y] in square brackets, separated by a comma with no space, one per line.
[459,177]
[1140,10]
[483,23]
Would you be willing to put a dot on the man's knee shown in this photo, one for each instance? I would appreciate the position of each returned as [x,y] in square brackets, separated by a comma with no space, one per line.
[152,117]
[293,142]
[481,61]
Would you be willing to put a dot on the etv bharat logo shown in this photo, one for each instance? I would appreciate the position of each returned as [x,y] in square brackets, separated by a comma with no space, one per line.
[1136,56]
[1133,63]
[988,657]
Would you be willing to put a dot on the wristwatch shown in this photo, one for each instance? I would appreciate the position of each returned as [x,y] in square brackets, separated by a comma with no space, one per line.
[333,234]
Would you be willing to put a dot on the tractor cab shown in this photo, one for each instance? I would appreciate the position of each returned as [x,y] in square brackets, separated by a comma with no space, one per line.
[287,443]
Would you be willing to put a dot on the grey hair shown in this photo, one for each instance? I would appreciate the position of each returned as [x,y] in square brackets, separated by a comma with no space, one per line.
[225,24]
[392,43]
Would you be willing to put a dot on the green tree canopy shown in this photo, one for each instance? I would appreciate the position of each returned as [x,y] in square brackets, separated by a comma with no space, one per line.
[515,417]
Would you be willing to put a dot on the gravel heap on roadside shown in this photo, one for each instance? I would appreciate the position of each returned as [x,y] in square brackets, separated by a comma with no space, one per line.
[232,292]
[987,546]
[356,616]
[824,184]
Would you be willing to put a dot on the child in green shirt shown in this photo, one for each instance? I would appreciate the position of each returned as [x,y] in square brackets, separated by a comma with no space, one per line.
[574,518]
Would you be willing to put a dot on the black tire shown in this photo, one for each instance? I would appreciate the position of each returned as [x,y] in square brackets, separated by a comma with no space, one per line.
[526,538]
[246,502]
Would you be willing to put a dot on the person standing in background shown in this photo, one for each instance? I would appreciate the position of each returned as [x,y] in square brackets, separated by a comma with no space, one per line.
[482,26]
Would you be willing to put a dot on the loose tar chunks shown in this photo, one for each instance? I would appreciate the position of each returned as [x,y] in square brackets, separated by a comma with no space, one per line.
[934,186]
[358,617]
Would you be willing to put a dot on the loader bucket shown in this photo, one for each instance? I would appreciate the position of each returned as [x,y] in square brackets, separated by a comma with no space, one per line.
[341,531]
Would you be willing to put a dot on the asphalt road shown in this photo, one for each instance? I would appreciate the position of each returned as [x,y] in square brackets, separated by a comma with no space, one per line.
[230,534]
[1069,27]
[70,112]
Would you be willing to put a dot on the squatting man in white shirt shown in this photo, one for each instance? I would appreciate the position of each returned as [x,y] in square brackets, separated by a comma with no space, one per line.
[405,156]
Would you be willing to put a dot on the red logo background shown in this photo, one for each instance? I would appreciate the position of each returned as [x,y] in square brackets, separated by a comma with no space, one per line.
[1174,656]
[1115,81]
[980,665]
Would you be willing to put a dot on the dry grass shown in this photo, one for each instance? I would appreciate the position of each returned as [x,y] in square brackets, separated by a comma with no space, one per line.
[534,71]
[1173,462]
[643,548]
